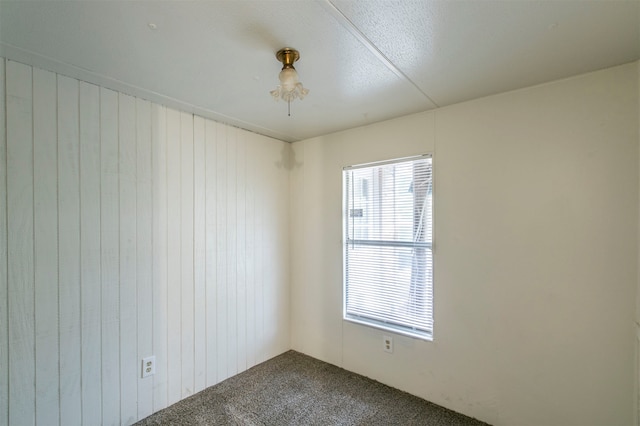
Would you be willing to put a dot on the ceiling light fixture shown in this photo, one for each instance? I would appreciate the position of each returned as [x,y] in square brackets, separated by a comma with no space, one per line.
[290,88]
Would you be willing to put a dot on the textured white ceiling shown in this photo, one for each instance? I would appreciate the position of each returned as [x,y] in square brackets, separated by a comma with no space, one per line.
[363,60]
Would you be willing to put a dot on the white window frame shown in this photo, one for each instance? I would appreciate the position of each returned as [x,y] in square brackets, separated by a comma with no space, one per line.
[425,333]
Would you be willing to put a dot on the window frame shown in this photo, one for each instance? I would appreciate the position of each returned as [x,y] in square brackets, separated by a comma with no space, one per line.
[370,322]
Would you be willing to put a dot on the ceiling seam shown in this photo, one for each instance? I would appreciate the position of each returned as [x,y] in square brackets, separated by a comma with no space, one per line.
[353,29]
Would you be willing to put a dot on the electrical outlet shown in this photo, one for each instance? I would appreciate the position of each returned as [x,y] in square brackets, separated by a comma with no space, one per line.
[388,343]
[148,366]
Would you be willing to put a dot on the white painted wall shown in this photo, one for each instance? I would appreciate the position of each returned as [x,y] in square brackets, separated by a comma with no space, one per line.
[536,219]
[128,229]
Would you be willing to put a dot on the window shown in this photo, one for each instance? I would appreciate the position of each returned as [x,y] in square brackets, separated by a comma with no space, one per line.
[388,258]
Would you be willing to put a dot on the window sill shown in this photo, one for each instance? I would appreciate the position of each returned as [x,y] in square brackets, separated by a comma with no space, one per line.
[390,329]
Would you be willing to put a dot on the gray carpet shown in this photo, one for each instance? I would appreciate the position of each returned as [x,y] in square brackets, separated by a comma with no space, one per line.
[295,389]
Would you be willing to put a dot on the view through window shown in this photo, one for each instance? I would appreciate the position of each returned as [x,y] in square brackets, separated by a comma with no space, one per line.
[388,258]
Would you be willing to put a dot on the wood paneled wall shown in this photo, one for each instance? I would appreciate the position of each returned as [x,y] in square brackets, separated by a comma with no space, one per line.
[128,229]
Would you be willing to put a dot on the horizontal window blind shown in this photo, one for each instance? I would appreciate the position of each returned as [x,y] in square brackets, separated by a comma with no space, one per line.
[388,258]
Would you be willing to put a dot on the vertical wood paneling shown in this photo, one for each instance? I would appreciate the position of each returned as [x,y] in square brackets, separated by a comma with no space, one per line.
[69,251]
[232,283]
[128,293]
[174,360]
[20,266]
[144,253]
[110,256]
[260,152]
[266,244]
[186,220]
[134,230]
[211,253]
[280,293]
[45,159]
[4,300]
[221,251]
[241,264]
[250,247]
[278,301]
[159,167]
[199,254]
[90,249]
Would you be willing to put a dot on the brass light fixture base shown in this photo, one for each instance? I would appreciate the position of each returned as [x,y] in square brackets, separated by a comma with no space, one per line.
[287,55]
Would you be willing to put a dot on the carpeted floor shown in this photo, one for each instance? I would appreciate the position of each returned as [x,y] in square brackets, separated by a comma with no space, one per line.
[295,389]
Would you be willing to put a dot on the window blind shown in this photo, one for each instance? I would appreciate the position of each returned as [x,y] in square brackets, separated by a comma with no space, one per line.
[388,258]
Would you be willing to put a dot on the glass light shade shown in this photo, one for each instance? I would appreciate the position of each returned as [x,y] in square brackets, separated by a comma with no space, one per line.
[288,79]
[290,88]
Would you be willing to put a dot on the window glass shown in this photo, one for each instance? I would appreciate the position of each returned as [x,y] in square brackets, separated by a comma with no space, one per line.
[388,258]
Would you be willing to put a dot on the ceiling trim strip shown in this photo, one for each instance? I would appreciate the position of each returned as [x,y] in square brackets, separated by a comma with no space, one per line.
[351,27]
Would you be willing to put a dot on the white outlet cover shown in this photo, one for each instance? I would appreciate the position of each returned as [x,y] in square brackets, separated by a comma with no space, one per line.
[387,341]
[148,366]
